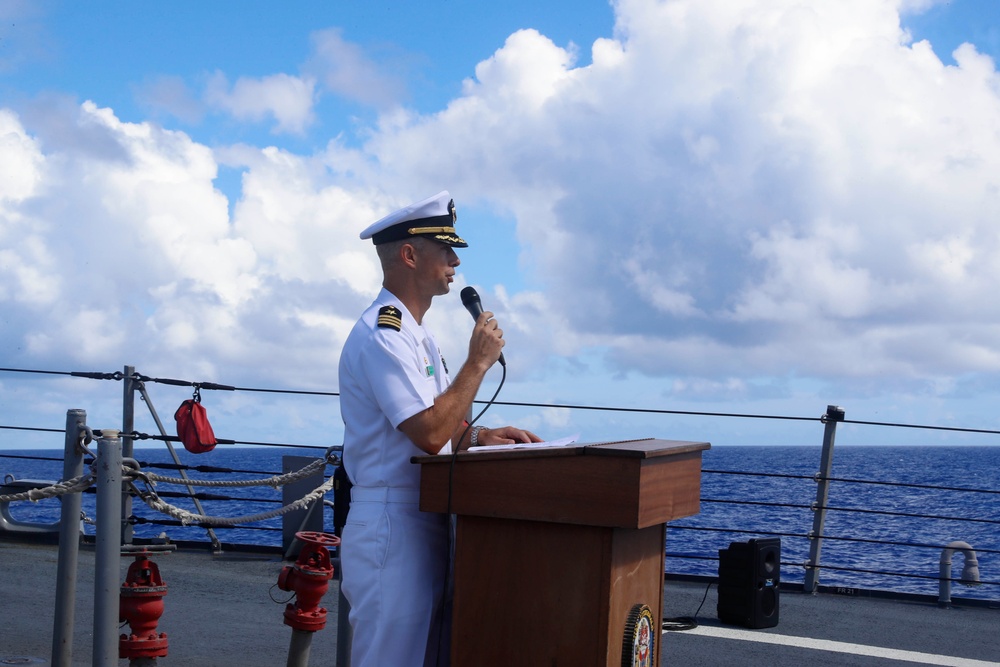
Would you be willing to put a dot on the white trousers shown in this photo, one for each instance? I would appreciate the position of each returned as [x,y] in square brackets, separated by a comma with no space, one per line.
[394,559]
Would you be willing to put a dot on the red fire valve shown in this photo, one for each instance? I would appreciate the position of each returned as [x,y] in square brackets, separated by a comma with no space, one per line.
[141,605]
[309,578]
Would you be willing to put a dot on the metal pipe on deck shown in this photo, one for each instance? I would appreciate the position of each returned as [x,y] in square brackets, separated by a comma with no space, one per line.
[69,543]
[970,572]
[107,568]
[833,415]
[309,578]
[299,648]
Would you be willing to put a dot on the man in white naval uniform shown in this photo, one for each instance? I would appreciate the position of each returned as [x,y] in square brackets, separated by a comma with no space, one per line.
[397,401]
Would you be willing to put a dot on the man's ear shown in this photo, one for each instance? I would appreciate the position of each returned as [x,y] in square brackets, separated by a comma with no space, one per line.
[408,254]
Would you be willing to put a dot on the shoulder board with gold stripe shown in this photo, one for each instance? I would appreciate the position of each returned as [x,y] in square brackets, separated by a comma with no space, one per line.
[390,317]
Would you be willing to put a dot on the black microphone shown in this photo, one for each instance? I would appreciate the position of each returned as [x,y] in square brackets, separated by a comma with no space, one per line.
[470,299]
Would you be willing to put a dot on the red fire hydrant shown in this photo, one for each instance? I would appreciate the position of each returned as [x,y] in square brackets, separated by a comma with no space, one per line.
[141,605]
[309,578]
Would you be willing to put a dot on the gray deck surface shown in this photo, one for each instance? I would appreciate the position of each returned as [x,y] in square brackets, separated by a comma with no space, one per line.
[219,614]
[829,629]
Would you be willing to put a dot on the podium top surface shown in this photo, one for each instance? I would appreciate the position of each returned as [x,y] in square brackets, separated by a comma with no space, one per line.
[627,484]
[642,448]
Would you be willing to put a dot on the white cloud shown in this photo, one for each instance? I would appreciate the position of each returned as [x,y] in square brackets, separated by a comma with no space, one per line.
[131,254]
[730,191]
[773,176]
[27,274]
[526,72]
[20,161]
[290,210]
[287,99]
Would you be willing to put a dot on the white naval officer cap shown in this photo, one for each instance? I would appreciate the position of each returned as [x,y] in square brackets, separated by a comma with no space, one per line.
[432,218]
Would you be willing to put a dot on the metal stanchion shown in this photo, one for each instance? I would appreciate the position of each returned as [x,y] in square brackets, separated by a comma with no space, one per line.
[833,415]
[107,574]
[69,544]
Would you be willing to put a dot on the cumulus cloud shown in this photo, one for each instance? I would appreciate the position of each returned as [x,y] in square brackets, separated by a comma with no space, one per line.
[131,253]
[20,170]
[728,191]
[27,273]
[285,98]
[755,186]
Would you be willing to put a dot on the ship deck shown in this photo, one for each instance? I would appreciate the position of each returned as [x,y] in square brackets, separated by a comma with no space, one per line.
[220,613]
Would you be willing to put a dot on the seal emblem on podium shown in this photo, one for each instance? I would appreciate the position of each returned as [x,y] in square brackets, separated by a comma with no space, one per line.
[638,642]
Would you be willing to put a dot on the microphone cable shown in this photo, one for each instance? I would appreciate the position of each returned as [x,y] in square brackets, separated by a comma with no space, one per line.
[682,623]
[454,451]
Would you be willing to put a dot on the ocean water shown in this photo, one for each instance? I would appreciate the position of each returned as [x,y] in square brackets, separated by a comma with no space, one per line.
[878,548]
[869,543]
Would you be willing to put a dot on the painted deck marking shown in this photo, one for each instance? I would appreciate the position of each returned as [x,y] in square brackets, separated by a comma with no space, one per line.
[839,647]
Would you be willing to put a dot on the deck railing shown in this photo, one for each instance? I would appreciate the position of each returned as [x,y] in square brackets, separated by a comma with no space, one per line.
[811,546]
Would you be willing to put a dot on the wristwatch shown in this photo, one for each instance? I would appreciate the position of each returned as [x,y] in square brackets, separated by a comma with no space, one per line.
[474,438]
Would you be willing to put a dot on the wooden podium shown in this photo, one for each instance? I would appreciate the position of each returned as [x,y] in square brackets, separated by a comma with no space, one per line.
[555,547]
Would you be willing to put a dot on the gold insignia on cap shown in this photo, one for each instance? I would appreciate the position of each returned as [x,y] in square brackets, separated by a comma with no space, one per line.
[442,234]
[430,230]
[390,317]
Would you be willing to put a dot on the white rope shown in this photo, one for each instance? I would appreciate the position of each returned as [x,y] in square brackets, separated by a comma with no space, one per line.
[274,482]
[75,485]
[150,497]
[186,517]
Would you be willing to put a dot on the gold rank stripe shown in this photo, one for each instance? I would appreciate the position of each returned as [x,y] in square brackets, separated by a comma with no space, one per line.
[431,230]
[390,320]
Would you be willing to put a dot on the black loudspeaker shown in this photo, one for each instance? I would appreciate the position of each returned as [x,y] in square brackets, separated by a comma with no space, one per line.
[749,578]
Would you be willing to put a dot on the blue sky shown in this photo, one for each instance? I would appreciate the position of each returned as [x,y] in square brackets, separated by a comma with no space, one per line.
[749,206]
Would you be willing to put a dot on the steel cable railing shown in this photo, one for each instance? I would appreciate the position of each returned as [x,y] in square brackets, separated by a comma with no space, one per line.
[118,375]
[811,507]
[805,537]
[38,490]
[135,383]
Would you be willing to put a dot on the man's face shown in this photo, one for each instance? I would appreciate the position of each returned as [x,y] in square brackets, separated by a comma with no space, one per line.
[437,263]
